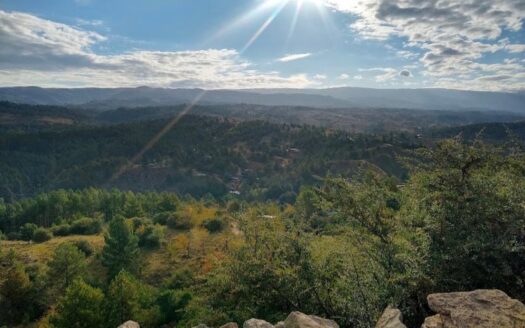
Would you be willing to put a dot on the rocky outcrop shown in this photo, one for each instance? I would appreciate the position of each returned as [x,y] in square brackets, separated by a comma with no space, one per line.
[391,318]
[230,325]
[129,324]
[479,308]
[256,323]
[301,320]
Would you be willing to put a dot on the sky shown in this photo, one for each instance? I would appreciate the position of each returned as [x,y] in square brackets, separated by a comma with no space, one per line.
[235,44]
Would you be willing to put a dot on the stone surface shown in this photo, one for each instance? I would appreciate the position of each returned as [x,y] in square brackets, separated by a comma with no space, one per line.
[301,320]
[391,318]
[256,323]
[230,325]
[129,324]
[476,309]
[280,324]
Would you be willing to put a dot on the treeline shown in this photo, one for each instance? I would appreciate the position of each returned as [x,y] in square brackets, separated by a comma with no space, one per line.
[81,212]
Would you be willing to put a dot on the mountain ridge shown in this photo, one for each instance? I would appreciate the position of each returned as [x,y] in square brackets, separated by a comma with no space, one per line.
[341,97]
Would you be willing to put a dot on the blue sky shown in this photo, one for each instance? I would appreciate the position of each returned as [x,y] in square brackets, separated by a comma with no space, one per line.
[206,43]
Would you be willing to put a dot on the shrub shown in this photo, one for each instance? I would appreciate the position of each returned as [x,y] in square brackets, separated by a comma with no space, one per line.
[162,218]
[41,235]
[138,222]
[151,237]
[84,246]
[13,235]
[61,230]
[27,231]
[86,226]
[214,225]
[177,221]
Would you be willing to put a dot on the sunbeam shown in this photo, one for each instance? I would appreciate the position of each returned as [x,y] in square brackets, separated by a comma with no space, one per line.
[298,7]
[265,25]
[158,136]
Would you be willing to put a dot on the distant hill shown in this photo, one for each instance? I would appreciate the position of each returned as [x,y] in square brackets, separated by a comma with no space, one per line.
[430,99]
[372,120]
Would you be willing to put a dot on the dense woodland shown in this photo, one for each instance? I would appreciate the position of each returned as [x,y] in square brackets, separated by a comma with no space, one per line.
[324,222]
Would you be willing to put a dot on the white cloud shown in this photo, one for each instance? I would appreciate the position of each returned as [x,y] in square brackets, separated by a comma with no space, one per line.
[344,76]
[453,35]
[293,57]
[358,77]
[320,77]
[40,52]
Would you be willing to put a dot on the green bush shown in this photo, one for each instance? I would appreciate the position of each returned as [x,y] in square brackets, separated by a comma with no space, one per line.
[13,235]
[214,225]
[177,221]
[151,237]
[86,226]
[84,246]
[27,231]
[41,235]
[61,230]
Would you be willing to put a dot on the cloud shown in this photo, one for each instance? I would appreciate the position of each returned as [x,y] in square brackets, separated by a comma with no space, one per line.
[405,73]
[320,77]
[358,77]
[293,57]
[344,76]
[40,52]
[453,36]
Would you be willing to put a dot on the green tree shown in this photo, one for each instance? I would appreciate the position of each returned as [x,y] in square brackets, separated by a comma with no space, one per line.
[67,264]
[469,199]
[16,297]
[121,249]
[81,307]
[122,302]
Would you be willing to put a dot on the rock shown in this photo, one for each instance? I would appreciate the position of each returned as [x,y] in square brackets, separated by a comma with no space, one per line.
[280,324]
[230,325]
[200,325]
[301,320]
[129,324]
[391,318]
[476,309]
[256,323]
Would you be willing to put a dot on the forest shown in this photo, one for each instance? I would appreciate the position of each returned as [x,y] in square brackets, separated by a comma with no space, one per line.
[225,220]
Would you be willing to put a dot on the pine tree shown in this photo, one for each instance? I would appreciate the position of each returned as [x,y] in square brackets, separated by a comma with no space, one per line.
[121,250]
[122,299]
[67,264]
[81,307]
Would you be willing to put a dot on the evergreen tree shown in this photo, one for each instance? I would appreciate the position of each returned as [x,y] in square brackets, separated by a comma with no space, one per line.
[122,302]
[16,303]
[81,307]
[121,249]
[67,264]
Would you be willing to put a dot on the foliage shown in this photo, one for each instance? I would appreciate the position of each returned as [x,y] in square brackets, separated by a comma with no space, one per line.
[81,306]
[214,225]
[469,200]
[66,265]
[41,235]
[84,246]
[121,249]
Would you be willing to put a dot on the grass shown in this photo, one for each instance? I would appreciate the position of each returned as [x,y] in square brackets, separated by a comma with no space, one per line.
[30,252]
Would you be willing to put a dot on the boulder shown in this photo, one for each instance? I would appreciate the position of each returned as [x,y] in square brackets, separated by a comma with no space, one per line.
[280,324]
[200,325]
[301,320]
[129,324]
[391,318]
[230,325]
[256,323]
[476,309]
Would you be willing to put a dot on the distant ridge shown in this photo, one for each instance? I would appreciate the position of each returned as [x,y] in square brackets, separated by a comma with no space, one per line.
[431,99]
